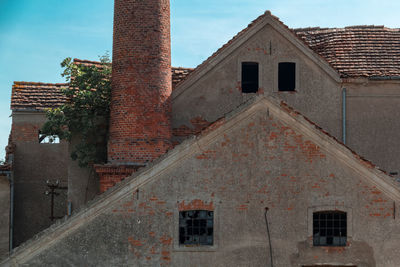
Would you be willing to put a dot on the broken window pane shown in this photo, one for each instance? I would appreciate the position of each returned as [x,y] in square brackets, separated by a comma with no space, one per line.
[196,227]
[329,228]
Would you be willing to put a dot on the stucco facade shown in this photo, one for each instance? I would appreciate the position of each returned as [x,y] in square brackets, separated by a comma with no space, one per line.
[215,89]
[235,154]
[372,124]
[4,215]
[33,164]
[264,155]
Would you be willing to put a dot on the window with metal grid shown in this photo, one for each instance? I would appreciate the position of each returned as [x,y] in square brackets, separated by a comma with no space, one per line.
[196,227]
[330,228]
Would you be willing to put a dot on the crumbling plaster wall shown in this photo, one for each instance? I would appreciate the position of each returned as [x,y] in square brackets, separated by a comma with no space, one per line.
[33,164]
[83,184]
[4,215]
[252,162]
[373,123]
[217,92]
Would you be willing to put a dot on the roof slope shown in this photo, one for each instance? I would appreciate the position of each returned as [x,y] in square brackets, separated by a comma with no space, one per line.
[357,51]
[41,96]
[354,51]
[193,146]
[37,96]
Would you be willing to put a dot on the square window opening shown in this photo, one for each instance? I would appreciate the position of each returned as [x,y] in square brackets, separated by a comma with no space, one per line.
[196,228]
[250,77]
[330,228]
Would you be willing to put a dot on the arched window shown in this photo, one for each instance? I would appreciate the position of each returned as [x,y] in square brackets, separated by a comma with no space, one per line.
[329,228]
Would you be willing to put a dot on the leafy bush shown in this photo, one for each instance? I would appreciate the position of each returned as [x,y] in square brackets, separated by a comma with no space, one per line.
[85,117]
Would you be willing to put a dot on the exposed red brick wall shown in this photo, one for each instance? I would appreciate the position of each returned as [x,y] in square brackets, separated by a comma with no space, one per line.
[140,128]
[109,175]
[198,124]
[25,132]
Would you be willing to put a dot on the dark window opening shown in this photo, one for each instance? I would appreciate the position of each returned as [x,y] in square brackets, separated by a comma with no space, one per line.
[196,227]
[330,228]
[287,76]
[249,77]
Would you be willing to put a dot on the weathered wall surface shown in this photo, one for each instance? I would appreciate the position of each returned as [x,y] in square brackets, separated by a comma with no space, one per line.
[34,163]
[83,183]
[372,121]
[252,161]
[218,91]
[4,215]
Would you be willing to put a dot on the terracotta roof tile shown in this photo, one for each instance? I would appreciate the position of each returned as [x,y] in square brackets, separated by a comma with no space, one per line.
[357,51]
[37,96]
[179,74]
[41,96]
[354,51]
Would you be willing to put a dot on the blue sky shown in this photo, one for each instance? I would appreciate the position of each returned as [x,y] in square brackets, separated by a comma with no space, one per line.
[36,35]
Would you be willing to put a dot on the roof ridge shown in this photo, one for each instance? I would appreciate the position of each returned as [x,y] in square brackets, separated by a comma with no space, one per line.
[77,60]
[317,28]
[39,83]
[182,68]
[366,26]
[235,37]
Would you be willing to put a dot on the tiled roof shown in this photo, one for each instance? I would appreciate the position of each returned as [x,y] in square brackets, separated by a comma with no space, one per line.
[37,96]
[357,51]
[179,74]
[40,96]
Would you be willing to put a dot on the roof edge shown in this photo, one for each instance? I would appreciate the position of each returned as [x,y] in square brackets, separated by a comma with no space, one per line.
[194,145]
[243,36]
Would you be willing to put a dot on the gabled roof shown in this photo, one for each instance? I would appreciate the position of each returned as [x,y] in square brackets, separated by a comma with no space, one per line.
[40,96]
[244,35]
[357,51]
[196,145]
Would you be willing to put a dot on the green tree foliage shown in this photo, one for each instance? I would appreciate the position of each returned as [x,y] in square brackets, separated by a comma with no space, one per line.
[84,118]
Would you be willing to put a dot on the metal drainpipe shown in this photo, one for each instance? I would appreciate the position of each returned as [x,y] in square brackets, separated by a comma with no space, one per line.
[344,115]
[11,228]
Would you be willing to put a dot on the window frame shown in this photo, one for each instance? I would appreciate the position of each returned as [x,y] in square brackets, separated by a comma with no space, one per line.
[250,62]
[322,208]
[333,221]
[195,248]
[295,75]
[207,219]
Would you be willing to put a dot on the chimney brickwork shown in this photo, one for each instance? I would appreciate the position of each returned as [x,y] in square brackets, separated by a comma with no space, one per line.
[140,128]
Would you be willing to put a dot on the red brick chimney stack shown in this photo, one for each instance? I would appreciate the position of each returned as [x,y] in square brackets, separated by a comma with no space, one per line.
[140,128]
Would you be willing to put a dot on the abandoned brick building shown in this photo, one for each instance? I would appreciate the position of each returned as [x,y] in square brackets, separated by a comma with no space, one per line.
[257,157]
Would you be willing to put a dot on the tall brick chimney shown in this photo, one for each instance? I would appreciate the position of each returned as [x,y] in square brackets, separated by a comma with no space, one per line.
[140,128]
